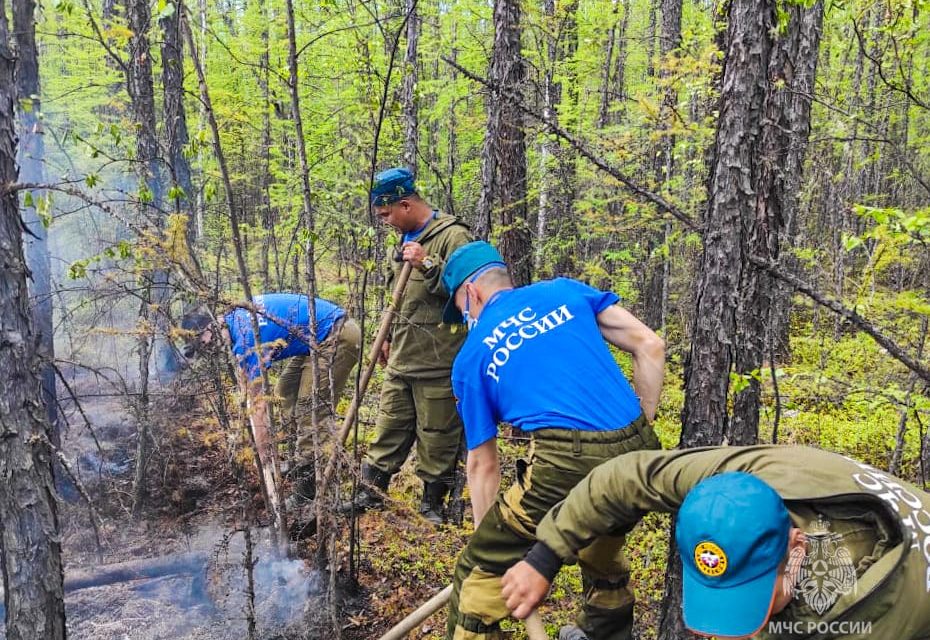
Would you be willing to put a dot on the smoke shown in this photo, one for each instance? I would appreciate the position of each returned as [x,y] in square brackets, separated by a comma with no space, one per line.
[198,594]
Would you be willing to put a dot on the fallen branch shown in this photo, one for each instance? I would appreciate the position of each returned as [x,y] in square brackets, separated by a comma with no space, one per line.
[582,148]
[849,315]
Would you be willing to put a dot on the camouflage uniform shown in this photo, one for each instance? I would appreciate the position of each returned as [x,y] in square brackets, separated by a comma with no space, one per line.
[417,404]
[881,523]
[559,459]
[338,354]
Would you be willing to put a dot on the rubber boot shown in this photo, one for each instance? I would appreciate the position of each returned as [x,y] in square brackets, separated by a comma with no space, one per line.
[432,506]
[374,484]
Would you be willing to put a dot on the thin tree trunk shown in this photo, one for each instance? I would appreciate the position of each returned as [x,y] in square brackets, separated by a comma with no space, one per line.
[897,455]
[32,169]
[656,269]
[269,240]
[29,531]
[507,69]
[411,135]
[175,117]
[323,512]
[266,460]
[452,123]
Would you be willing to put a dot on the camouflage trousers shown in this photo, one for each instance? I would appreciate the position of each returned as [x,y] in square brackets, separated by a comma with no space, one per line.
[559,459]
[421,411]
[338,354]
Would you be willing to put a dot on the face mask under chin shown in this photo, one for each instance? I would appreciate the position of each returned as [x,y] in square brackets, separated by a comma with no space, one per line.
[469,321]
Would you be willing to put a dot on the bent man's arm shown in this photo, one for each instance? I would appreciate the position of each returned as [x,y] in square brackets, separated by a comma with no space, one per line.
[623,330]
[484,478]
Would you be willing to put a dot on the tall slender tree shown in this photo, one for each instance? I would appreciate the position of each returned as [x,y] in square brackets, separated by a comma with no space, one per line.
[746,197]
[556,217]
[509,144]
[410,103]
[176,135]
[657,269]
[30,550]
[32,169]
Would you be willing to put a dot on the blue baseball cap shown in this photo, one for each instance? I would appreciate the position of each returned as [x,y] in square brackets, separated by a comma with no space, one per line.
[391,185]
[465,262]
[732,534]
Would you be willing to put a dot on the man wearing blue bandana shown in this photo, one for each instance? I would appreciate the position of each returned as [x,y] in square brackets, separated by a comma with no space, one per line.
[417,406]
[536,357]
[776,542]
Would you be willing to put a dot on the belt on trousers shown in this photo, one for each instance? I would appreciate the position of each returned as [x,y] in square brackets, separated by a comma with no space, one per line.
[565,434]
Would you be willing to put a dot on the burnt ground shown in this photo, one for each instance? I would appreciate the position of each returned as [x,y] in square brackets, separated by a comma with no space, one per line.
[201,489]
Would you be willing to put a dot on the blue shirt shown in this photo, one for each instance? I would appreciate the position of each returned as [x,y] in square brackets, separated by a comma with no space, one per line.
[537,359]
[283,327]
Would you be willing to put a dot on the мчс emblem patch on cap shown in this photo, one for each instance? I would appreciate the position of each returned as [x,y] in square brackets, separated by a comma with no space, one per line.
[710,559]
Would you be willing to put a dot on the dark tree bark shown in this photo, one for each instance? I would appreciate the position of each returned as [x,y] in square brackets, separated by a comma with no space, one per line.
[743,219]
[29,530]
[776,181]
[799,69]
[411,136]
[507,71]
[32,169]
[175,115]
[555,219]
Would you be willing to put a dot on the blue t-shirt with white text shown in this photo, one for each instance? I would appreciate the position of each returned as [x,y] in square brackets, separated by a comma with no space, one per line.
[283,326]
[537,359]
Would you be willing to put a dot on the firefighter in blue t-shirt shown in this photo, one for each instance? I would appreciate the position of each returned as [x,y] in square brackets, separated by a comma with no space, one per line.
[284,334]
[535,357]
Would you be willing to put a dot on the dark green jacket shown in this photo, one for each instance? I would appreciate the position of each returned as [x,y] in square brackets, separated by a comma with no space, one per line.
[421,346]
[882,521]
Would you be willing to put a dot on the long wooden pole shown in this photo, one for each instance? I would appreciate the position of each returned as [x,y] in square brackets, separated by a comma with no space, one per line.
[373,354]
[535,629]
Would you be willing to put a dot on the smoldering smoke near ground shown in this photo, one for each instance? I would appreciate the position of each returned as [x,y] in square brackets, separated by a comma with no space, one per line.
[193,595]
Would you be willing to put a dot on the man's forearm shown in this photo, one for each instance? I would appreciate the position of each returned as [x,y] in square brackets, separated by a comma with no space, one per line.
[648,373]
[483,492]
[484,478]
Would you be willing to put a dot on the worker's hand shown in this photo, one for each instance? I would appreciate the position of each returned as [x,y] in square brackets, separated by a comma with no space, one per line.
[523,589]
[384,354]
[413,253]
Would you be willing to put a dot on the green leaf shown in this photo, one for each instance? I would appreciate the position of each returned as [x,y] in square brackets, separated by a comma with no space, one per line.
[91,180]
[851,242]
[77,269]
[27,200]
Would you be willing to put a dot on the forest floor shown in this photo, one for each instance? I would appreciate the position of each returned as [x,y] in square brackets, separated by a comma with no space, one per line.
[192,527]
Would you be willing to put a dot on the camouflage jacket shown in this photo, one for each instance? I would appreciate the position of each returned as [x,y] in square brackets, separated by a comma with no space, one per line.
[421,346]
[868,532]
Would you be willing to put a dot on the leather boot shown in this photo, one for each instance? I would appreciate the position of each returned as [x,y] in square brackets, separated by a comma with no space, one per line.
[572,632]
[373,486]
[432,506]
[303,484]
